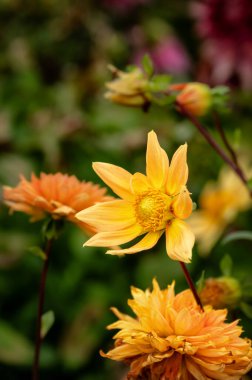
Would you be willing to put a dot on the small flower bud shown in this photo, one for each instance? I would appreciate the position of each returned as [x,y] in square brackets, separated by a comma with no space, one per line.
[129,89]
[196,98]
[221,292]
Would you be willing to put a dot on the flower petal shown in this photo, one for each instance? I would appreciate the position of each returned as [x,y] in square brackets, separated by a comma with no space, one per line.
[147,242]
[108,239]
[139,183]
[157,162]
[115,177]
[178,171]
[112,216]
[182,205]
[179,241]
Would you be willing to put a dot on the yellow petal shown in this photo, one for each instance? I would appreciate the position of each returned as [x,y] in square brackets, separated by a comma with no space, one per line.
[156,162]
[182,205]
[108,216]
[139,183]
[178,171]
[147,242]
[179,241]
[115,177]
[107,239]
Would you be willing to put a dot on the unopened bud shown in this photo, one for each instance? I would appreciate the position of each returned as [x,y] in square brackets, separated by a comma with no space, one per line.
[221,292]
[196,98]
[128,88]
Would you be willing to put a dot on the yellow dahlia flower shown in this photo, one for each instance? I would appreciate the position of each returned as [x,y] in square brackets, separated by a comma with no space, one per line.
[151,204]
[172,339]
[219,204]
[58,195]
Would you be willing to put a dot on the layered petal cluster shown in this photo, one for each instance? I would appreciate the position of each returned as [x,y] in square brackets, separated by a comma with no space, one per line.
[219,203]
[58,194]
[128,88]
[151,204]
[171,338]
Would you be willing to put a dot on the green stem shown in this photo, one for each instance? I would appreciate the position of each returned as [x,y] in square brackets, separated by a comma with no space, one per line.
[35,371]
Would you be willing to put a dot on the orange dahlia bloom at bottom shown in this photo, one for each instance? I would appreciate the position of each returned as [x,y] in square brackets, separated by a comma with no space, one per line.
[172,339]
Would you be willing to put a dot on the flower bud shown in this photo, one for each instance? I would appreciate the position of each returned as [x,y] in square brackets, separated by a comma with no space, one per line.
[195,98]
[128,88]
[221,292]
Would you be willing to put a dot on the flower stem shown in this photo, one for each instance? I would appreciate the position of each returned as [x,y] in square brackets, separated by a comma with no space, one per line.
[224,138]
[216,146]
[191,284]
[35,371]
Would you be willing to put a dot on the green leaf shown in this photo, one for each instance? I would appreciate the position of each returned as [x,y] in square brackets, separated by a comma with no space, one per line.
[47,321]
[239,235]
[250,183]
[247,309]
[201,281]
[148,65]
[220,90]
[37,251]
[159,83]
[226,265]
[15,349]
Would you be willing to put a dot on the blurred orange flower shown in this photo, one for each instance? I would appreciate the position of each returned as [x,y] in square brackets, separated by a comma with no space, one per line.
[194,97]
[150,204]
[172,339]
[219,204]
[58,194]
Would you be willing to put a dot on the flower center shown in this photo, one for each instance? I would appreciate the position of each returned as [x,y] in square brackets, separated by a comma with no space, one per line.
[152,210]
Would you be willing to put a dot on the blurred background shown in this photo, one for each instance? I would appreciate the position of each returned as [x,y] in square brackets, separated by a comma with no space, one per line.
[53,117]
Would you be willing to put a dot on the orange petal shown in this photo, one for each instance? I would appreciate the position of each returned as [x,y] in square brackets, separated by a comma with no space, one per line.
[115,177]
[147,242]
[108,239]
[108,216]
[178,171]
[179,241]
[157,162]
[139,183]
[182,205]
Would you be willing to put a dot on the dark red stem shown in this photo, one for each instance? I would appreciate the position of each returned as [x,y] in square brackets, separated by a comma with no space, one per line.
[216,146]
[191,284]
[35,371]
[224,138]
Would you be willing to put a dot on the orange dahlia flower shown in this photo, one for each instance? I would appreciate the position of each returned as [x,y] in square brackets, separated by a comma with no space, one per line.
[172,339]
[151,204]
[59,195]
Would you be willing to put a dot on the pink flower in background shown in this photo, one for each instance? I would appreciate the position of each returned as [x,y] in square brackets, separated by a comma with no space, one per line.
[168,56]
[226,29]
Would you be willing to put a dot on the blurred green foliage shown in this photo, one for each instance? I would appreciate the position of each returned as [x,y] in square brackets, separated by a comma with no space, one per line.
[53,66]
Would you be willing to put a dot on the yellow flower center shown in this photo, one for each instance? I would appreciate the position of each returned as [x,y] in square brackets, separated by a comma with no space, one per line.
[152,210]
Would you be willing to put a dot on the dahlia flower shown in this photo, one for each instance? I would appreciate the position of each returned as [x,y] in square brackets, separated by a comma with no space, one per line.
[59,195]
[171,338]
[219,204]
[151,204]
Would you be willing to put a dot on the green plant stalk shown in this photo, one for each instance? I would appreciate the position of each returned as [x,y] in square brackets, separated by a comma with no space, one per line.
[38,341]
